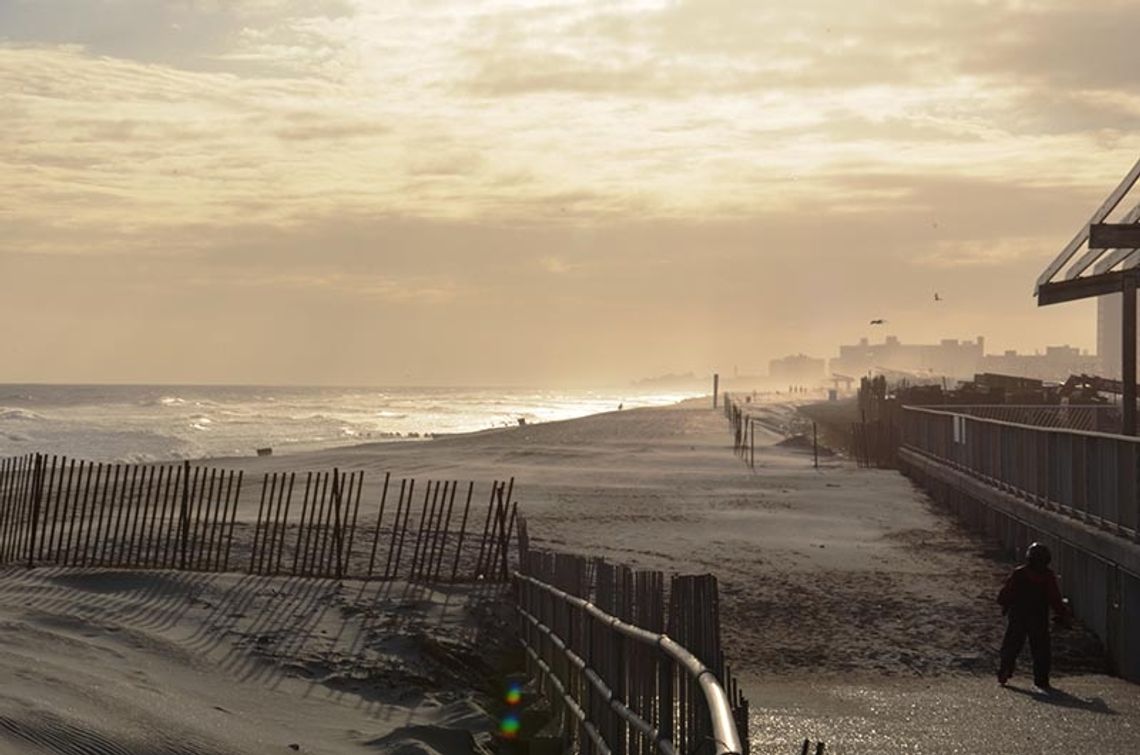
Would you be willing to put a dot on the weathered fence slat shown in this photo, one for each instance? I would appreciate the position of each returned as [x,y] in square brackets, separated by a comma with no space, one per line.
[486,529]
[59,510]
[315,517]
[5,502]
[233,521]
[379,519]
[301,523]
[388,566]
[336,549]
[355,485]
[51,513]
[284,529]
[254,566]
[462,530]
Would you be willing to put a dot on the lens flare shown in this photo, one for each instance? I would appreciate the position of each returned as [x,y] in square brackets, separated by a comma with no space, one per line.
[509,726]
[514,694]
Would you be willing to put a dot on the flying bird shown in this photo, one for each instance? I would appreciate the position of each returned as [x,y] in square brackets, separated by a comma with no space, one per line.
[878,322]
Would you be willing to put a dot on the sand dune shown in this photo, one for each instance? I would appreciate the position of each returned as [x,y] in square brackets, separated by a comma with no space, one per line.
[138,663]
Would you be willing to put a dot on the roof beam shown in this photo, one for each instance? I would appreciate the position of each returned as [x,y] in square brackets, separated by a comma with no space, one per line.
[1099,257]
[1082,236]
[1114,236]
[1080,288]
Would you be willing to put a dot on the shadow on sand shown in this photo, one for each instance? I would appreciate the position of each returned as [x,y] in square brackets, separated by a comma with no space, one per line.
[1063,699]
[370,644]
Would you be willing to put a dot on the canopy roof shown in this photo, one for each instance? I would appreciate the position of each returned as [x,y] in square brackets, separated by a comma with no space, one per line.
[1079,272]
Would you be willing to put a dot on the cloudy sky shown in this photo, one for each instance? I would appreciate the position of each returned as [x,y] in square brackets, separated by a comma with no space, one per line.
[541,191]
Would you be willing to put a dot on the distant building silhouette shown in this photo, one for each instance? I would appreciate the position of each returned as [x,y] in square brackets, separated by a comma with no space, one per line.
[799,368]
[950,357]
[963,359]
[1056,364]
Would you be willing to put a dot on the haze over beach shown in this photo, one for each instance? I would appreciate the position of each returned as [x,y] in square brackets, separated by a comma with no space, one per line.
[344,342]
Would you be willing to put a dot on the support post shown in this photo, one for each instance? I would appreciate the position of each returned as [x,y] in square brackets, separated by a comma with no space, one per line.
[1128,353]
[751,444]
[716,387]
[815,445]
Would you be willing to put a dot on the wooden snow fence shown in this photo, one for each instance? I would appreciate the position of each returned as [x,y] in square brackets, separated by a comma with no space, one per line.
[60,511]
[628,671]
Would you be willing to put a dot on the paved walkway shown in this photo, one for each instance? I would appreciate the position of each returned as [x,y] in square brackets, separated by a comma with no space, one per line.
[1086,714]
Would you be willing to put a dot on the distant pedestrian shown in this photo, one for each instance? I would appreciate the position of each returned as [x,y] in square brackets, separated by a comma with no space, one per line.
[1025,598]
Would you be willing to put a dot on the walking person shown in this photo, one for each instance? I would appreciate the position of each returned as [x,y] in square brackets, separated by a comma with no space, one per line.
[1025,598]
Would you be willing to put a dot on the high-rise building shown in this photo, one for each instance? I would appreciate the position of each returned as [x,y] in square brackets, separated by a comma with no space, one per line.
[1109,339]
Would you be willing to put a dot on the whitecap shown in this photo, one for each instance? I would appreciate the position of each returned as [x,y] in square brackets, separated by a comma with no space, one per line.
[20,415]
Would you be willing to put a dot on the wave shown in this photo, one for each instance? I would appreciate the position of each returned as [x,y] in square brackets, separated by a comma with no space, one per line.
[164,424]
[20,415]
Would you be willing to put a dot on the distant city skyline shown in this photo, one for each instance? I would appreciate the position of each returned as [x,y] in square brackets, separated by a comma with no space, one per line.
[494,192]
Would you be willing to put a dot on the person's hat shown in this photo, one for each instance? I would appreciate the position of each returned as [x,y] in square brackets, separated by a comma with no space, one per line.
[1038,554]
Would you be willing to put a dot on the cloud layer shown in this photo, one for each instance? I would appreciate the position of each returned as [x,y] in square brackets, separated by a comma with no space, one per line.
[654,183]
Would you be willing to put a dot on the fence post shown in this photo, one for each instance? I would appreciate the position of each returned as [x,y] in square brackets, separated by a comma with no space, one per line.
[184,514]
[37,490]
[815,445]
[751,443]
[338,542]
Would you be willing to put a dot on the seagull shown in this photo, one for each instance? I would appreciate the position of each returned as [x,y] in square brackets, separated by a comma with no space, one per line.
[878,322]
[937,297]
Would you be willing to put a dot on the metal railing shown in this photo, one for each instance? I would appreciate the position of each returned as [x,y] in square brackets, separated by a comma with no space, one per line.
[1091,418]
[565,634]
[618,682]
[1087,475]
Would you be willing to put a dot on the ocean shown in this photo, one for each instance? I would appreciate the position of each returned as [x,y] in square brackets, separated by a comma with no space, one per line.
[166,422]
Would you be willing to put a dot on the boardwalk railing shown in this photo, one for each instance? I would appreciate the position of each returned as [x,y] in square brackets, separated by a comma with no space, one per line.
[620,682]
[60,511]
[1091,418]
[1090,476]
[1075,491]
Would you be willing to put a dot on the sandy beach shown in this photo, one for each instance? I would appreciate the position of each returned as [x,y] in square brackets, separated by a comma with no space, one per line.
[853,611]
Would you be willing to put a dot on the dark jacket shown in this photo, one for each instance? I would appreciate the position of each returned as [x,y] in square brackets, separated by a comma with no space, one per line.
[1028,593]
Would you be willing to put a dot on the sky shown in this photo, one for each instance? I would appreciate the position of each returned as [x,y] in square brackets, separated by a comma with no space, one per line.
[541,191]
